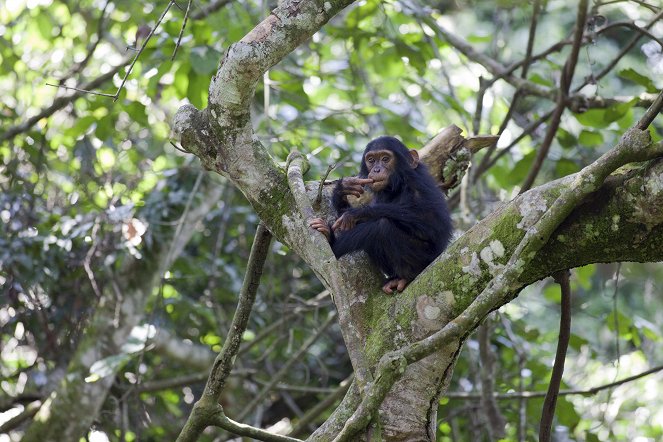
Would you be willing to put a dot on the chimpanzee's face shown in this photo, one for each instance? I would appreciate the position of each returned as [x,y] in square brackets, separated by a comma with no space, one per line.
[380,164]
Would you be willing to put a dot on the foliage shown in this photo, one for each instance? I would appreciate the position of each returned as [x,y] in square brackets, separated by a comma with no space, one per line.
[84,189]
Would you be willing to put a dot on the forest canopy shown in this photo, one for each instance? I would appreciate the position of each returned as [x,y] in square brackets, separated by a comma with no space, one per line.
[159,163]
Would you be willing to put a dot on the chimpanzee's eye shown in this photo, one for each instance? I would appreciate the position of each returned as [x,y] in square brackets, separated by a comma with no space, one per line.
[385,159]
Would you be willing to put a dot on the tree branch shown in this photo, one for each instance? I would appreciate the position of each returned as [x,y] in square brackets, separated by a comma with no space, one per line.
[562,96]
[208,405]
[550,401]
[60,103]
[634,146]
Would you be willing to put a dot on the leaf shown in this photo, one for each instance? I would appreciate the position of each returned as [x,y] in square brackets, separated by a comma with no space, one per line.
[638,78]
[565,138]
[593,118]
[617,111]
[623,323]
[204,60]
[590,138]
[566,167]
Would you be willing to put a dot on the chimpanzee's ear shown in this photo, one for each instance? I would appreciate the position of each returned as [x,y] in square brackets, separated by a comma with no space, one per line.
[415,158]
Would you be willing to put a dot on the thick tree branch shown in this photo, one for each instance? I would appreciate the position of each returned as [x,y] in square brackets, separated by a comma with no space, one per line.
[633,147]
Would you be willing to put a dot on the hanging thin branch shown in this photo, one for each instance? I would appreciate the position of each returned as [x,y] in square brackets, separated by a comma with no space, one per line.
[549,403]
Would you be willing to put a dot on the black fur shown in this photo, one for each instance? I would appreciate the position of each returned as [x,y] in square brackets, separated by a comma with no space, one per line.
[406,226]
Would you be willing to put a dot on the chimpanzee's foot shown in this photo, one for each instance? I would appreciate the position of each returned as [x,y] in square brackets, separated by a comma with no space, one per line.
[395,285]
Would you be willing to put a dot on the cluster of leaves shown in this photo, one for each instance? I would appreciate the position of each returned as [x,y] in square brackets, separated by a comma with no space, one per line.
[79,185]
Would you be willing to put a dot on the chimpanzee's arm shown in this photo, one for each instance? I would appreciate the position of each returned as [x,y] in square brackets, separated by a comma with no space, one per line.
[406,215]
[348,186]
[338,199]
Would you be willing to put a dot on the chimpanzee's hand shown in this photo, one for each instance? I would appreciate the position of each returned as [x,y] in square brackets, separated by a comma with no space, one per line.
[353,186]
[345,222]
[321,226]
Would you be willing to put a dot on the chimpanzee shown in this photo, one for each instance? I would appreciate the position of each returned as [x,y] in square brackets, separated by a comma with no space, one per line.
[406,224]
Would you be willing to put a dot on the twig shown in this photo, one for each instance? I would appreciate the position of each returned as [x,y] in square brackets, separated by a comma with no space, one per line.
[549,403]
[181,149]
[651,113]
[59,103]
[116,95]
[78,67]
[29,411]
[285,369]
[209,9]
[527,61]
[207,410]
[564,87]
[537,394]
[631,25]
[495,421]
[318,199]
[140,51]
[621,54]
[179,37]
[321,406]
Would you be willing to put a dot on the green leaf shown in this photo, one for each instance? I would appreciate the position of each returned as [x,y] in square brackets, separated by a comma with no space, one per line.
[590,138]
[521,169]
[577,342]
[538,79]
[45,26]
[593,118]
[565,138]
[623,323]
[204,60]
[617,111]
[181,81]
[566,167]
[638,78]
[475,38]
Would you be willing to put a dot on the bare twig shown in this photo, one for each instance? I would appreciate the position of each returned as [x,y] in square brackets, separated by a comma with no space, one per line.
[621,54]
[116,95]
[179,37]
[78,67]
[564,87]
[181,149]
[630,25]
[318,199]
[496,423]
[60,103]
[285,369]
[651,113]
[538,394]
[209,8]
[526,62]
[29,411]
[549,403]
[140,51]
[312,414]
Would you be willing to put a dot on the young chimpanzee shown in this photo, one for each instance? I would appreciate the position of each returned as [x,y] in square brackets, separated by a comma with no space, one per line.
[404,227]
